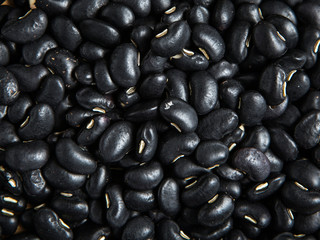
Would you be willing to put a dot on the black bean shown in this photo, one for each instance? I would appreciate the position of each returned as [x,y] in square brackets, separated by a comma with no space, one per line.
[307,224]
[198,14]
[307,130]
[185,168]
[211,153]
[27,156]
[144,177]
[258,138]
[102,77]
[289,117]
[168,197]
[11,202]
[222,14]
[34,183]
[50,226]
[307,13]
[60,178]
[175,145]
[141,228]
[116,141]
[89,231]
[81,10]
[8,222]
[310,102]
[229,92]
[23,29]
[298,85]
[217,124]
[209,41]
[153,86]
[231,188]
[172,40]
[8,135]
[223,70]
[51,90]
[278,8]
[141,201]
[10,181]
[97,212]
[141,36]
[248,12]
[170,230]
[143,111]
[146,142]
[177,85]
[92,51]
[141,8]
[228,173]
[152,63]
[283,217]
[175,13]
[309,43]
[5,54]
[51,7]
[190,61]
[76,116]
[159,6]
[253,162]
[9,87]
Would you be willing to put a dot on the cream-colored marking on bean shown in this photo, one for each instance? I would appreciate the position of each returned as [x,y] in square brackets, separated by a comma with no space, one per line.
[248,41]
[299,235]
[107,200]
[50,70]
[168,105]
[163,33]
[63,223]
[189,178]
[122,104]
[25,14]
[134,43]
[290,213]
[138,59]
[2,169]
[232,146]
[7,212]
[98,109]
[260,13]
[212,200]
[316,46]
[39,206]
[25,122]
[214,166]
[191,184]
[188,52]
[177,56]
[262,186]
[284,89]
[102,238]
[32,4]
[183,235]
[171,10]
[239,103]
[12,183]
[204,53]
[130,90]
[2,149]
[90,124]
[291,73]
[65,194]
[301,186]
[142,145]
[10,200]
[281,37]
[250,219]
[174,160]
[176,126]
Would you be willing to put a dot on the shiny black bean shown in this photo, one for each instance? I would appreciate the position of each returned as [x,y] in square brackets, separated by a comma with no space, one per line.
[82,9]
[153,86]
[51,90]
[5,54]
[10,181]
[168,197]
[97,212]
[118,15]
[179,114]
[262,190]
[304,172]
[172,40]
[83,73]
[289,117]
[27,156]
[175,13]
[97,182]
[23,29]
[198,14]
[293,59]
[71,208]
[258,138]
[11,202]
[286,28]
[277,110]
[144,177]
[34,183]
[252,108]
[66,33]
[185,168]
[59,178]
[190,61]
[146,142]
[248,12]
[140,201]
[283,217]
[307,13]
[62,62]
[175,145]
[253,162]
[299,198]
[229,92]
[8,134]
[141,37]
[141,8]
[204,92]
[201,190]
[33,53]
[117,213]
[309,43]
[216,211]
[152,63]
[38,124]
[141,228]
[222,14]
[8,222]
[298,85]
[102,77]
[51,7]
[50,226]
[177,85]
[223,70]
[310,102]
[254,60]
[236,234]
[211,153]
[170,230]
[228,173]
[90,99]
[143,111]
[209,41]
[89,231]
[238,41]
[92,51]
[231,188]
[116,141]
[278,8]
[128,97]
[73,158]
[272,85]
[9,88]
[76,116]
[124,65]
[276,164]
[255,213]
[307,130]
[159,6]
[217,124]
[307,224]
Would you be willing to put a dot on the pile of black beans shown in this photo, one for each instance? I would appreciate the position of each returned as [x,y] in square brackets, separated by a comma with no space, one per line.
[160,119]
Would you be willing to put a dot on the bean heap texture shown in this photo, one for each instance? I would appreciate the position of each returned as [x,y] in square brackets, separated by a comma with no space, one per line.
[159,119]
